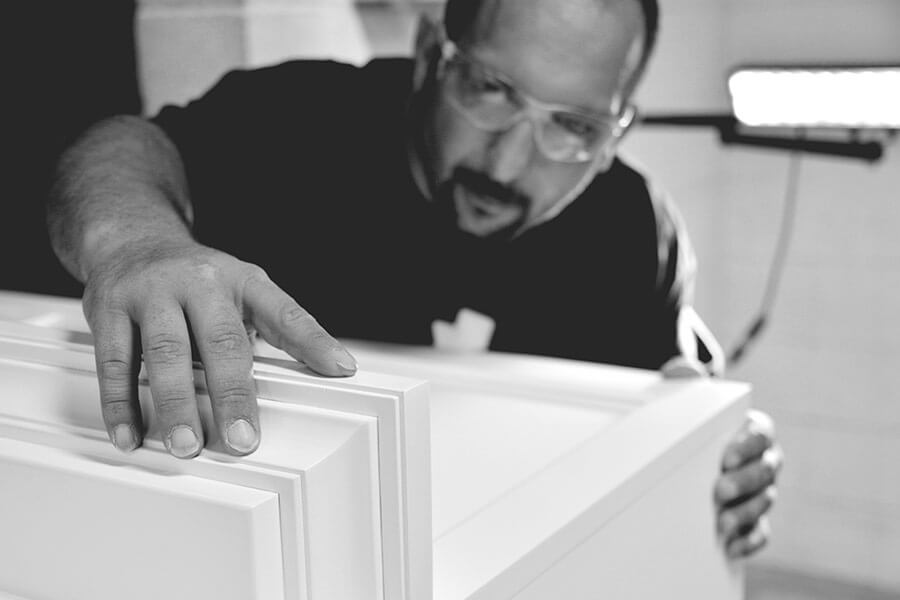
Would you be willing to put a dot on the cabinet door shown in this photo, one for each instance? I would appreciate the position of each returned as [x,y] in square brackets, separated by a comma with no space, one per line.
[77,528]
[335,503]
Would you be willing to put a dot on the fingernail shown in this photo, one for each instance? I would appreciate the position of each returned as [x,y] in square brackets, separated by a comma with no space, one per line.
[124,438]
[346,362]
[241,436]
[183,442]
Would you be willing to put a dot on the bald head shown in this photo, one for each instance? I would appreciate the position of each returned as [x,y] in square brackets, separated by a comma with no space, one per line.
[467,21]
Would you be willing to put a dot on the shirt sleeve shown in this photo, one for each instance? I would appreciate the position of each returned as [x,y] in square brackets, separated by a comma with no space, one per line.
[675,281]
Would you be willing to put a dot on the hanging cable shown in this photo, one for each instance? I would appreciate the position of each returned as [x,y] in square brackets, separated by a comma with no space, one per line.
[776,269]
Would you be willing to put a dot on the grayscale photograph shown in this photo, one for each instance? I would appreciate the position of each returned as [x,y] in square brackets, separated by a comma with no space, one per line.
[450,300]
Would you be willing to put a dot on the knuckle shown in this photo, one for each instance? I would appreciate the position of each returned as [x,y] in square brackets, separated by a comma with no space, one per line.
[255,275]
[172,401]
[320,337]
[166,349]
[233,395]
[292,314]
[226,341]
[114,369]
[116,409]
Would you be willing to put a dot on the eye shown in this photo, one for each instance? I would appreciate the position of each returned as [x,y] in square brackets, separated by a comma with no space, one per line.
[489,85]
[576,125]
[478,81]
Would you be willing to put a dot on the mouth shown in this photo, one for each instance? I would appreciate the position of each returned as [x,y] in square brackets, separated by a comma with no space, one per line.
[484,205]
[484,215]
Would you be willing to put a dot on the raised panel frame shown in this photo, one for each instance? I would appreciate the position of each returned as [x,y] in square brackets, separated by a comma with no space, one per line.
[392,414]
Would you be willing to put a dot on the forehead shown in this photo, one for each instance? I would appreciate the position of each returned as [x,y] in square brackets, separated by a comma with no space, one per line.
[569,51]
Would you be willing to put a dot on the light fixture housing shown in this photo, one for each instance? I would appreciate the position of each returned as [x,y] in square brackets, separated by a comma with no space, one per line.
[845,97]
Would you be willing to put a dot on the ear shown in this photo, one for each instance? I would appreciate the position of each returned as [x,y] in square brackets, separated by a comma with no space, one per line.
[429,36]
[606,155]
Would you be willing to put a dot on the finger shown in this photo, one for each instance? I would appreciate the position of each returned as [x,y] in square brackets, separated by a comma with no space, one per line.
[167,354]
[756,436]
[751,542]
[744,516]
[682,367]
[227,358]
[117,373]
[286,325]
[749,479]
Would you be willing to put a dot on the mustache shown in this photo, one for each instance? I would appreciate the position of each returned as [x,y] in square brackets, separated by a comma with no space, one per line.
[483,185]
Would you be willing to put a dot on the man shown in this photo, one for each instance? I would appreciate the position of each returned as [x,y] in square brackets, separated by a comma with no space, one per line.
[480,176]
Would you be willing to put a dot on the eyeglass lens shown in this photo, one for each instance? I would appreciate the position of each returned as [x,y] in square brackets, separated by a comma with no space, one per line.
[492,104]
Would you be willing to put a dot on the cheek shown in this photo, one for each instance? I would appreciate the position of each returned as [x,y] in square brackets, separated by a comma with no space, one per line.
[454,142]
[547,183]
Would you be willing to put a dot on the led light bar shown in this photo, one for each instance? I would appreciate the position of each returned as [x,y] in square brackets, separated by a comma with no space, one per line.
[859,97]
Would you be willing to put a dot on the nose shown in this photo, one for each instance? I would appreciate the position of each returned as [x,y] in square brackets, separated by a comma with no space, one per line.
[510,151]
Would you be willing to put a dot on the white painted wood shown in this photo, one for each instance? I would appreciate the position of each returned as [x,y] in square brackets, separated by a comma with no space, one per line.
[354,489]
[543,466]
[549,477]
[677,553]
[300,469]
[64,517]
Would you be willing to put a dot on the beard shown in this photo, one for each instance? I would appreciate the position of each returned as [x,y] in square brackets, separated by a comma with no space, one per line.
[481,206]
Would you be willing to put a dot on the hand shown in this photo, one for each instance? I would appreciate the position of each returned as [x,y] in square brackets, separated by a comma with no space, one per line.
[745,491]
[158,297]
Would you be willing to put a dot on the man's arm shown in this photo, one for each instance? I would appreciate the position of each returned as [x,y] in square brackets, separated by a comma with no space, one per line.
[119,219]
[745,491]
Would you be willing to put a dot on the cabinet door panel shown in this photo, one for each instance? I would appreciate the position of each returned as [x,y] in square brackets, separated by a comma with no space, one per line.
[354,509]
[79,529]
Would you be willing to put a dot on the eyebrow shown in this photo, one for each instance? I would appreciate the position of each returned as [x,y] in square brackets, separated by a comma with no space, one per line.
[558,106]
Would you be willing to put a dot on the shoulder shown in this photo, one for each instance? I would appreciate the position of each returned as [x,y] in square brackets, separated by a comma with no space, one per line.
[293,82]
[310,80]
[675,258]
[626,212]
[622,205]
[302,83]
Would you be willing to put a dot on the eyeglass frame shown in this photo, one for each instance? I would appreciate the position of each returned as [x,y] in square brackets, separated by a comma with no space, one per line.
[536,111]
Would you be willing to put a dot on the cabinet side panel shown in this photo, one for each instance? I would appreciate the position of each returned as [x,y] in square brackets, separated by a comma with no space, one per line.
[664,545]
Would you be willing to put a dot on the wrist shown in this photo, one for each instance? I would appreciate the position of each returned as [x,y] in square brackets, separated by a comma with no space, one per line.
[108,242]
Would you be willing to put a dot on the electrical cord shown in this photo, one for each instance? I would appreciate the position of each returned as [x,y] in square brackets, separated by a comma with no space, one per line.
[776,269]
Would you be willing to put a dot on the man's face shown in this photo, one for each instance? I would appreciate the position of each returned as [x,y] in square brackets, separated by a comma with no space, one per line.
[576,53]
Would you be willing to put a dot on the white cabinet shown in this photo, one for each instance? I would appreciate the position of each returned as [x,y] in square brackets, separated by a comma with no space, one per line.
[426,475]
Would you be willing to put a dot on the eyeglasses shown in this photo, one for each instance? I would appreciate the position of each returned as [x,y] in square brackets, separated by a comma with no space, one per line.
[490,102]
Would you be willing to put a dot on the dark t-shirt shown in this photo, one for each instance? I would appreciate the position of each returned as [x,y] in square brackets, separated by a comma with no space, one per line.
[302,169]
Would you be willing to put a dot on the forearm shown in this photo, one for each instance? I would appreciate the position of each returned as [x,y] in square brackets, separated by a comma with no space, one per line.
[121,183]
